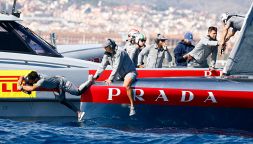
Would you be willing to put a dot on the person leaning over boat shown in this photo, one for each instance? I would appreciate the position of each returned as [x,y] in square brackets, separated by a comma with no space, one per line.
[140,41]
[207,45]
[34,81]
[156,53]
[182,48]
[232,21]
[122,69]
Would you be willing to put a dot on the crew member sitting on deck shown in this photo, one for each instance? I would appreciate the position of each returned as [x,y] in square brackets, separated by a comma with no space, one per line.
[34,81]
[123,68]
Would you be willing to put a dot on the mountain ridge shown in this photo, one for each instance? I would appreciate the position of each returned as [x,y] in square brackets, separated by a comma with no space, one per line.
[214,6]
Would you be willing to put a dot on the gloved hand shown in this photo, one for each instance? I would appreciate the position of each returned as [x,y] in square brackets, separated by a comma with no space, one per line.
[223,48]
[140,66]
[165,48]
[108,82]
[187,57]
[20,87]
[211,68]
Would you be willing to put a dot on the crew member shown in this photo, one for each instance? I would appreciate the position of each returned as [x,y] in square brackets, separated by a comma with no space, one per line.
[34,81]
[182,48]
[208,45]
[156,53]
[130,42]
[233,22]
[122,69]
[140,41]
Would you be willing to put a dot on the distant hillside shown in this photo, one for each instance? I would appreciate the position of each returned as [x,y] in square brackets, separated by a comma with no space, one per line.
[213,6]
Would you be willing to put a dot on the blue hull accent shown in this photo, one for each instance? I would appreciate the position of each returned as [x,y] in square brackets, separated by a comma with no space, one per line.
[156,116]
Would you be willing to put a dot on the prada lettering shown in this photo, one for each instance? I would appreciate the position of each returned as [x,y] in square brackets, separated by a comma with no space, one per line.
[209,73]
[165,95]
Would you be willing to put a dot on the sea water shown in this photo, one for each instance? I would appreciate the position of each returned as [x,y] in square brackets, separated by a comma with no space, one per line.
[68,130]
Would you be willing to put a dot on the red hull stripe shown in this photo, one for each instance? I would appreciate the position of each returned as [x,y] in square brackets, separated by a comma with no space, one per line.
[10,77]
[9,81]
[168,96]
[163,73]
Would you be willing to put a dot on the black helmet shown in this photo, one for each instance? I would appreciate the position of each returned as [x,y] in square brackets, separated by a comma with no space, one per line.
[33,75]
[111,43]
[160,37]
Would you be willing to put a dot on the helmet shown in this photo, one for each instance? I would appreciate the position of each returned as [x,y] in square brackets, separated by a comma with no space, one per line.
[111,43]
[224,16]
[133,32]
[140,36]
[132,35]
[33,75]
[160,37]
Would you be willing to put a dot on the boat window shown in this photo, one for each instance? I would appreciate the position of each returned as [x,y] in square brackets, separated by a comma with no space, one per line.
[37,44]
[9,41]
[2,30]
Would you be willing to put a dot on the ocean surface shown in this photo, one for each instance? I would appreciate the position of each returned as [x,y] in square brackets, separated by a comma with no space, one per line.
[68,130]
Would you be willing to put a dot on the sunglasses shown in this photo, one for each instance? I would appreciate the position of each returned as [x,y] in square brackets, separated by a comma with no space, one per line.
[162,40]
[143,40]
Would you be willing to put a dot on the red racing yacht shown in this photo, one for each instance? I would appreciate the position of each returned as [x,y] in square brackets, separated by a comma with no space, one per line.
[183,98]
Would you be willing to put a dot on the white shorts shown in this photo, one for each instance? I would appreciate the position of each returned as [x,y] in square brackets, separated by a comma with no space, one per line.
[131,75]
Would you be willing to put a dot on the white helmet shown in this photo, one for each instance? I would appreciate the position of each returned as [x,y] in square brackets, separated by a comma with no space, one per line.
[133,32]
[132,35]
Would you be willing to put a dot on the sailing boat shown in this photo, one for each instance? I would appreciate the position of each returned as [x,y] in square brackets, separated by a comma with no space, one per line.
[195,102]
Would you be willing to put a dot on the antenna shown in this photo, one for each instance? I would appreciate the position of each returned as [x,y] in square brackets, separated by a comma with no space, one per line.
[53,40]
[14,12]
